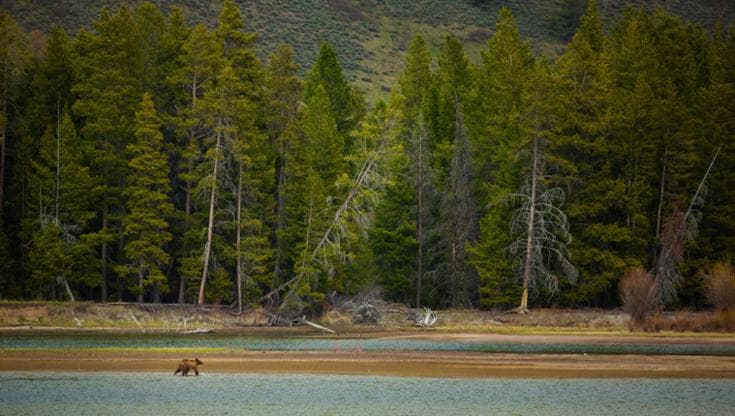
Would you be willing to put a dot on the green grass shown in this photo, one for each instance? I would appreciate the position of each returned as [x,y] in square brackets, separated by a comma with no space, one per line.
[177,350]
[572,331]
[371,36]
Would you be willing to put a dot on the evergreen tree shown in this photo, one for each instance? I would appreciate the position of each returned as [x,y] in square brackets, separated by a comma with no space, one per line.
[253,158]
[416,88]
[221,112]
[148,206]
[580,158]
[173,38]
[714,122]
[496,132]
[149,30]
[254,204]
[109,91]
[539,225]
[49,93]
[345,104]
[63,211]
[283,91]
[198,66]
[239,47]
[14,57]
[453,172]
[49,263]
[393,235]
[7,285]
[318,163]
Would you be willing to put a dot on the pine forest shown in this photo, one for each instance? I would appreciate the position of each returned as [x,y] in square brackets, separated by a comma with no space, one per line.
[148,158]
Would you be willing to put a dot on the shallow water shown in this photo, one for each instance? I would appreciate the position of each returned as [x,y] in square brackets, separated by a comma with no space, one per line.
[253,394]
[237,342]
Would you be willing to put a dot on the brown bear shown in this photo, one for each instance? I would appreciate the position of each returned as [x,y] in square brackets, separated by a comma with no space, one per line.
[186,364]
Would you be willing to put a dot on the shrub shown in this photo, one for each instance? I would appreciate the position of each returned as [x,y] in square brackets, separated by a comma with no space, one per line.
[722,321]
[637,294]
[366,314]
[719,285]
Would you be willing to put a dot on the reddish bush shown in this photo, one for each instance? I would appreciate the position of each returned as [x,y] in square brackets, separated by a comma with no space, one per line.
[637,294]
[723,321]
[719,285]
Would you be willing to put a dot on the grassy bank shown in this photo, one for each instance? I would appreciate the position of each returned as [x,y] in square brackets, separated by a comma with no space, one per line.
[168,318]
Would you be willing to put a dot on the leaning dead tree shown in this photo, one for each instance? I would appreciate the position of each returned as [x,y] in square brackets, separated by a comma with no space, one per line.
[677,229]
[543,234]
[355,208]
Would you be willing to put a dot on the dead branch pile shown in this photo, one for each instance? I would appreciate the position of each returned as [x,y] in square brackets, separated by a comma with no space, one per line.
[365,307]
[366,314]
[288,313]
[424,318]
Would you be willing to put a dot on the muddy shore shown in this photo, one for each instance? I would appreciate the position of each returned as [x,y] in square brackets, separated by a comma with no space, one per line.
[461,326]
[405,364]
[395,363]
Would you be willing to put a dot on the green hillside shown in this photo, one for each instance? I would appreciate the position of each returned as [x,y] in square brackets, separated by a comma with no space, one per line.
[370,36]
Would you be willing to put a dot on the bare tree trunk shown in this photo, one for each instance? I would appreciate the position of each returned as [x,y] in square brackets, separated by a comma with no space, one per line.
[695,198]
[661,192]
[103,251]
[187,219]
[68,290]
[3,133]
[182,289]
[455,278]
[237,243]
[121,235]
[156,293]
[140,281]
[188,190]
[308,234]
[280,214]
[58,158]
[210,226]
[419,219]
[531,222]
[57,188]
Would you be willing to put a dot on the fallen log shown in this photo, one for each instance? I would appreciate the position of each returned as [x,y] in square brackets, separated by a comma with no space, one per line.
[199,331]
[317,326]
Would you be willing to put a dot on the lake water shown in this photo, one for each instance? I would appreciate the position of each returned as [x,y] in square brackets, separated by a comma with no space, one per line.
[253,394]
[291,343]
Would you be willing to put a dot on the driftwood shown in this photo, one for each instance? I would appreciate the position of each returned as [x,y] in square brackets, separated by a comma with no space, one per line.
[199,331]
[281,320]
[426,319]
[142,329]
[317,326]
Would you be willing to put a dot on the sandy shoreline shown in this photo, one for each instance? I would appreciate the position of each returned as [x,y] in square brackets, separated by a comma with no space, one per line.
[393,363]
[405,364]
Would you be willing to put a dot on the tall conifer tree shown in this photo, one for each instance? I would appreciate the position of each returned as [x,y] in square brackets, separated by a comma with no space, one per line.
[283,91]
[495,127]
[148,205]
[109,91]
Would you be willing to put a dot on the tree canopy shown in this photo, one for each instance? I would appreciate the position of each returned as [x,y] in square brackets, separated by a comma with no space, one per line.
[151,160]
